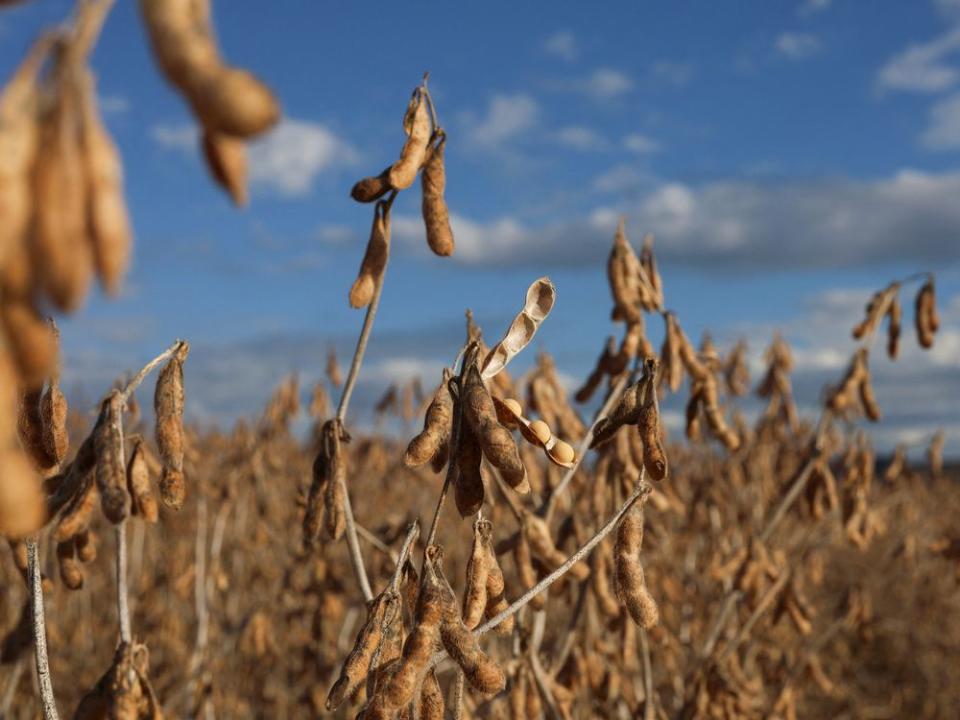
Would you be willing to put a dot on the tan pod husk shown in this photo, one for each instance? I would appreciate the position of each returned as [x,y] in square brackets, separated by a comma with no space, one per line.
[540,299]
[22,507]
[226,158]
[436,426]
[498,444]
[357,665]
[110,473]
[630,584]
[144,504]
[417,124]
[375,258]
[31,343]
[372,188]
[53,414]
[224,99]
[436,216]
[468,489]
[168,401]
[537,533]
[106,207]
[478,570]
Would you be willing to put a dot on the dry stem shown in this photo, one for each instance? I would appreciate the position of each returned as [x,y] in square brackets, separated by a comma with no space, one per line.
[40,633]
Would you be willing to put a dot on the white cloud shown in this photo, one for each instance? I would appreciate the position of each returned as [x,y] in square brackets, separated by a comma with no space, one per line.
[922,67]
[672,73]
[797,46]
[580,138]
[635,142]
[507,116]
[943,132]
[911,216]
[811,7]
[620,179]
[607,83]
[563,45]
[175,137]
[289,158]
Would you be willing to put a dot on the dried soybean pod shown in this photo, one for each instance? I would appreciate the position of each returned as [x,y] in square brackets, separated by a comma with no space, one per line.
[623,274]
[30,341]
[533,704]
[868,399]
[526,571]
[53,413]
[30,429]
[357,665]
[629,583]
[496,599]
[138,484]
[110,475]
[372,188]
[436,216]
[479,669]
[894,315]
[436,426]
[18,146]
[925,314]
[418,127]
[417,651]
[70,571]
[648,424]
[62,252]
[375,258]
[86,543]
[226,158]
[168,407]
[626,412]
[478,570]
[468,489]
[537,533]
[321,477]
[601,583]
[431,698]
[77,516]
[22,507]
[334,500]
[498,444]
[225,99]
[106,207]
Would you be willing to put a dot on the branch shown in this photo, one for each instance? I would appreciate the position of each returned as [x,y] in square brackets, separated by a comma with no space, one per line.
[642,490]
[40,633]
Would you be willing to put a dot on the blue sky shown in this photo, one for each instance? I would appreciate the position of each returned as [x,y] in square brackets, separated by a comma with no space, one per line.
[789,156]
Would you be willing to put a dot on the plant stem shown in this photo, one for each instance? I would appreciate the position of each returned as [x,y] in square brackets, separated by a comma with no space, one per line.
[40,632]
[353,543]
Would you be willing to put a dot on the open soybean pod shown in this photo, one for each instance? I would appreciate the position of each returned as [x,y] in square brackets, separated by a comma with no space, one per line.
[535,432]
[541,296]
[374,259]
[418,126]
[225,99]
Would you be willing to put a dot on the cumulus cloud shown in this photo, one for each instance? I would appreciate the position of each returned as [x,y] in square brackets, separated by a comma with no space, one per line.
[943,130]
[811,7]
[507,116]
[563,45]
[607,83]
[292,155]
[286,160]
[843,223]
[923,67]
[580,138]
[635,142]
[797,46]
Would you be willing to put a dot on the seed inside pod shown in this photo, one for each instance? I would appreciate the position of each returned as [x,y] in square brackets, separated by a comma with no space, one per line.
[541,430]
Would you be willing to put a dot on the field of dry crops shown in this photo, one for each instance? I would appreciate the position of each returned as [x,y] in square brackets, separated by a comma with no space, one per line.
[520,557]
